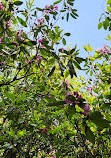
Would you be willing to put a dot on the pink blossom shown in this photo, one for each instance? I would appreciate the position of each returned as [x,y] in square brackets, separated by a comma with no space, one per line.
[97,49]
[50,96]
[62,49]
[39,58]
[76,93]
[103,50]
[109,51]
[67,82]
[0,39]
[42,46]
[66,100]
[89,88]
[69,49]
[104,45]
[40,20]
[84,113]
[40,40]
[47,7]
[79,96]
[6,35]
[14,42]
[18,33]
[56,7]
[44,130]
[9,24]
[93,94]
[86,107]
[1,7]
[27,61]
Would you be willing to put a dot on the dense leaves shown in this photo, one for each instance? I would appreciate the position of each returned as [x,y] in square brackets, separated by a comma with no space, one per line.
[47,109]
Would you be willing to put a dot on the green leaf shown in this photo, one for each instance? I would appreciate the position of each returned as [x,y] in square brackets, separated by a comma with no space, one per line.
[22,22]
[47,18]
[10,96]
[71,69]
[67,34]
[52,71]
[20,97]
[71,98]
[106,106]
[39,9]
[56,103]
[18,2]
[97,118]
[100,25]
[105,24]
[108,97]
[73,16]
[96,115]
[62,10]
[70,3]
[30,43]
[74,13]
[55,55]
[24,50]
[81,100]
[57,2]
[11,133]
[89,134]
[70,111]
[77,65]
[108,116]
[67,17]
[91,73]
[64,41]
[109,2]
[21,133]
[72,50]
[79,59]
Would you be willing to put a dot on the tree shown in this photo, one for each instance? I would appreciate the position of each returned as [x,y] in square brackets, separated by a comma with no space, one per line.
[45,110]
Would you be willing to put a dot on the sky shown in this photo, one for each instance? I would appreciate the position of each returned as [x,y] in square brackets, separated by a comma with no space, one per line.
[84,29]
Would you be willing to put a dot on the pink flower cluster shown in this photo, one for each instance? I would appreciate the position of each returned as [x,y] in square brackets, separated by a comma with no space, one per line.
[1,7]
[38,58]
[103,50]
[40,21]
[45,129]
[66,100]
[86,109]
[76,102]
[0,39]
[27,61]
[62,49]
[40,40]
[66,81]
[36,61]
[20,33]
[89,89]
[50,8]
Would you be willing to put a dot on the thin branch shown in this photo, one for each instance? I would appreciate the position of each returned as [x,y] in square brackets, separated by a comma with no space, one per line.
[15,79]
